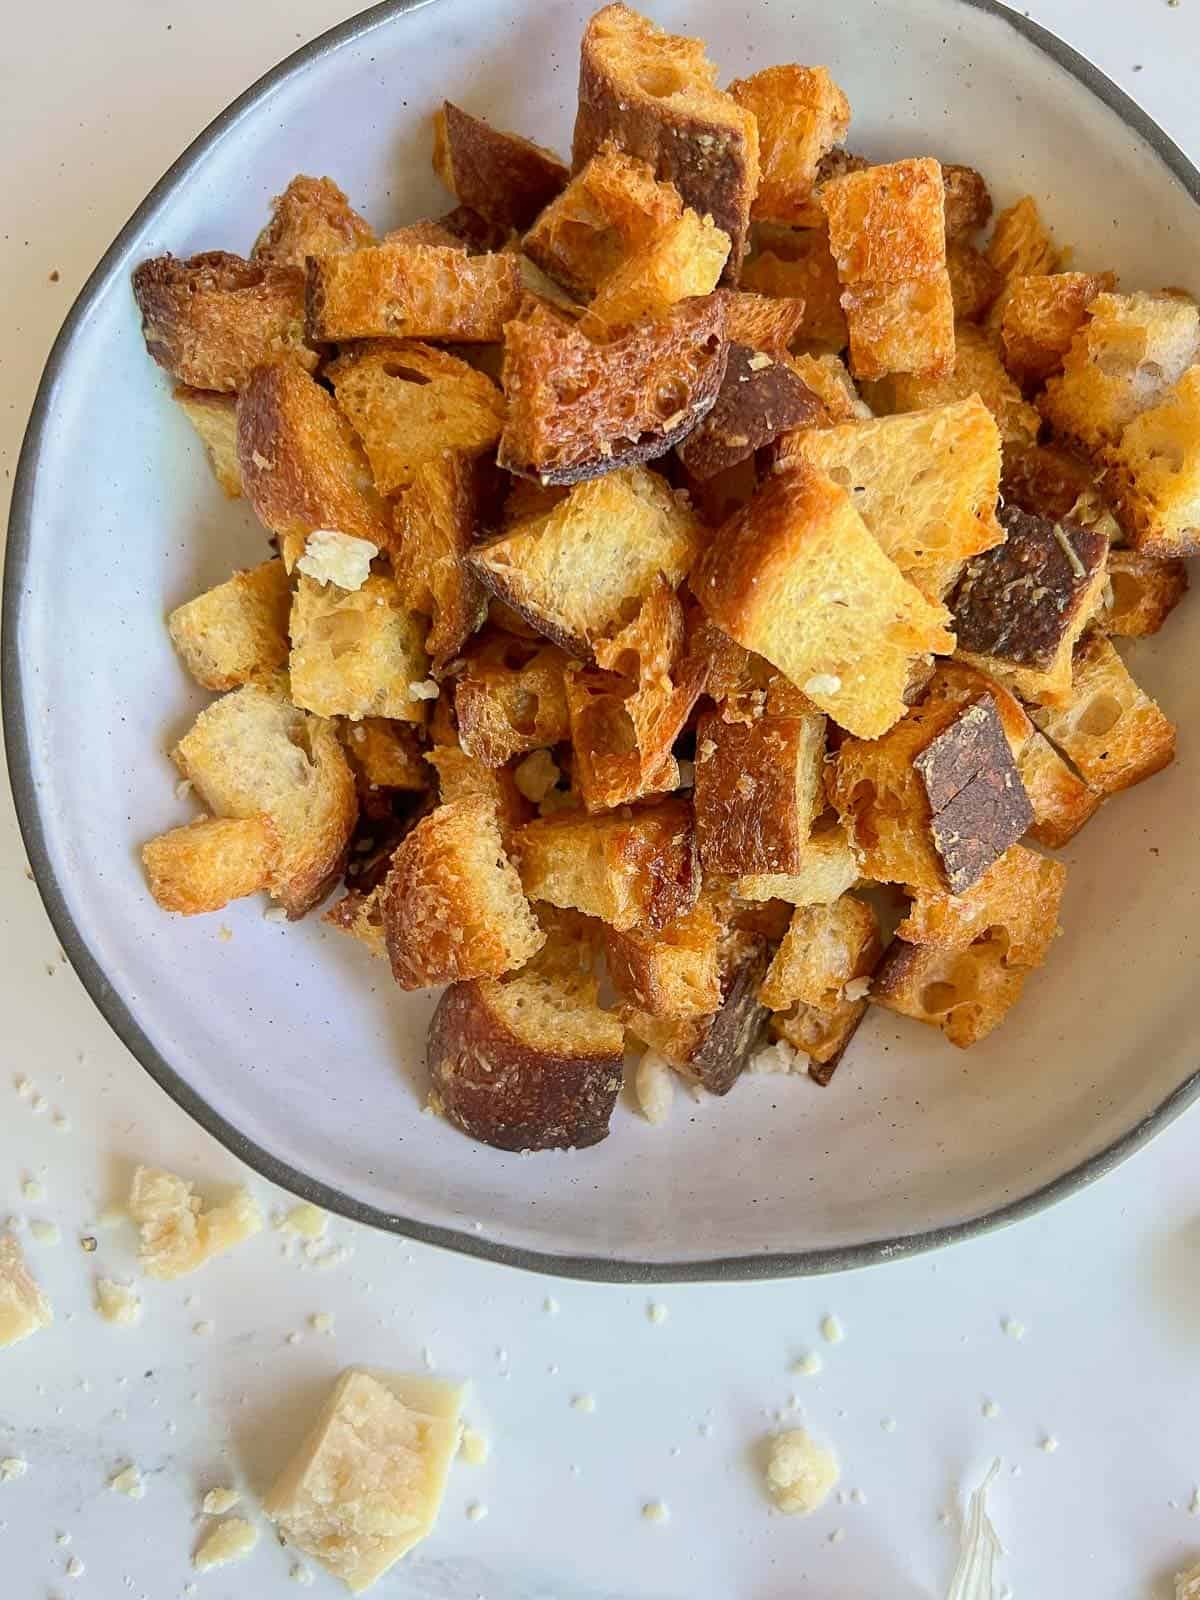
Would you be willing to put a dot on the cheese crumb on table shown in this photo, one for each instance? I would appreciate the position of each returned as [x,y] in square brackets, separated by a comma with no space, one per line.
[990,1409]
[321,1322]
[178,1235]
[24,1309]
[128,1482]
[654,1086]
[45,1232]
[583,1402]
[31,1189]
[888,1424]
[655,1511]
[118,1302]
[229,1541]
[302,1575]
[476,1511]
[218,1501]
[832,1330]
[339,558]
[1049,1444]
[1013,1328]
[550,1306]
[657,1312]
[203,1328]
[473,1447]
[309,1221]
[800,1473]
[808,1365]
[75,1568]
[12,1467]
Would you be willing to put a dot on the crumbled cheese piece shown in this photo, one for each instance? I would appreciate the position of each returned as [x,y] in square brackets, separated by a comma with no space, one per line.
[321,1322]
[118,1302]
[368,1482]
[12,1467]
[550,1306]
[759,360]
[229,1541]
[129,1482]
[178,1235]
[45,1232]
[276,915]
[32,1190]
[1187,1584]
[888,1424]
[837,1536]
[777,1058]
[858,1497]
[23,1307]
[583,1402]
[302,1575]
[476,1511]
[654,1085]
[857,989]
[61,1122]
[536,775]
[111,1217]
[1013,1328]
[203,1328]
[1049,1444]
[657,1312]
[473,1447]
[808,1365]
[990,1409]
[38,1104]
[332,557]
[23,1086]
[831,1329]
[224,934]
[218,1501]
[427,689]
[75,1568]
[293,1338]
[823,683]
[800,1472]
[655,1511]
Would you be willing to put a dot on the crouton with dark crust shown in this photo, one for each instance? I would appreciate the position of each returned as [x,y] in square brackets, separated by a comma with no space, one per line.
[312,217]
[411,291]
[506,179]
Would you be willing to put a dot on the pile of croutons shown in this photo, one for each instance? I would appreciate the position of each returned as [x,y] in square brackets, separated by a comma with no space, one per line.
[697,570]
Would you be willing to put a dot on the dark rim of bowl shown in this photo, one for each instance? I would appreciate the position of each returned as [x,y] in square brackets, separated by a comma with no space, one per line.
[115,262]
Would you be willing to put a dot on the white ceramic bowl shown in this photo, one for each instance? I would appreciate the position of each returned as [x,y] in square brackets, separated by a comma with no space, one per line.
[289,1044]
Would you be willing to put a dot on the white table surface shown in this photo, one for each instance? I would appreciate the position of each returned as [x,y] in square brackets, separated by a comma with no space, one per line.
[95,101]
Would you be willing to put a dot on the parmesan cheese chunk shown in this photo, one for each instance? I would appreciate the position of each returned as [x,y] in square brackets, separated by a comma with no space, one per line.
[118,1302]
[178,1235]
[800,1472]
[229,1541]
[332,557]
[23,1307]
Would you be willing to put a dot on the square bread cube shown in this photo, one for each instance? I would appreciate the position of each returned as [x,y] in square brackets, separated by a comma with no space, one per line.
[685,258]
[1042,314]
[611,767]
[206,864]
[1155,473]
[1061,801]
[798,578]
[956,682]
[758,788]
[801,114]
[977,370]
[1019,609]
[887,224]
[974,282]
[214,417]
[463,777]
[411,291]
[1019,895]
[510,698]
[1021,244]
[800,266]
[965,992]
[24,1309]
[673,971]
[367,1483]
[901,327]
[1109,728]
[828,867]
[760,398]
[822,1036]
[825,948]
[386,755]
[357,652]
[761,322]
[312,217]
[232,633]
[506,179]
[437,521]
[177,1234]
[1142,592]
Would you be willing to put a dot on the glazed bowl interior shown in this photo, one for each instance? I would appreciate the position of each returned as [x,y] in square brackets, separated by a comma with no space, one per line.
[290,1043]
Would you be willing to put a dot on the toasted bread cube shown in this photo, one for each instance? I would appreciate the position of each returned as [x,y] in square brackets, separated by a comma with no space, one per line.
[761,322]
[209,321]
[801,114]
[252,752]
[206,864]
[674,971]
[612,207]
[820,1035]
[655,94]
[925,483]
[1156,473]
[959,684]
[1125,358]
[825,948]
[800,266]
[1019,896]
[367,1483]
[177,1234]
[360,914]
[409,403]
[1019,609]
[968,204]
[1142,593]
[887,223]
[829,865]
[1061,801]
[974,282]
[964,992]
[24,1309]
[356,653]
[610,767]
[1112,731]
[302,468]
[386,754]
[1042,314]
[452,902]
[232,633]
[977,370]
[1049,481]
[759,399]
[312,217]
[758,788]
[437,519]
[214,417]
[577,409]
[685,258]
[574,571]
[626,868]
[714,1050]
[510,698]
[411,291]
[503,177]
[1021,244]
[527,1063]
[906,326]
[827,377]
[461,777]
[798,578]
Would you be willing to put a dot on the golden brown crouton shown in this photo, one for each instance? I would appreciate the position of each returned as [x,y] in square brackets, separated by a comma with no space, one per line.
[801,114]
[253,752]
[655,94]
[312,217]
[901,327]
[964,992]
[503,177]
[409,403]
[968,204]
[411,291]
[1112,731]
[974,282]
[577,409]
[1048,481]
[205,865]
[1019,609]
[437,519]
[1019,895]
[1042,314]
[462,777]
[825,948]
[386,754]
[361,916]
[509,698]
[355,653]
[229,634]
[800,266]
[820,1035]
[828,379]
[761,322]
[209,321]
[977,370]
[1122,361]
[925,483]
[887,224]
[685,258]
[302,467]
[956,682]
[674,971]
[529,1062]
[214,417]
[1021,245]
[828,866]
[798,578]
[452,902]
[1061,801]
[574,571]
[1142,593]
[758,788]
[638,865]
[1155,473]
[610,768]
